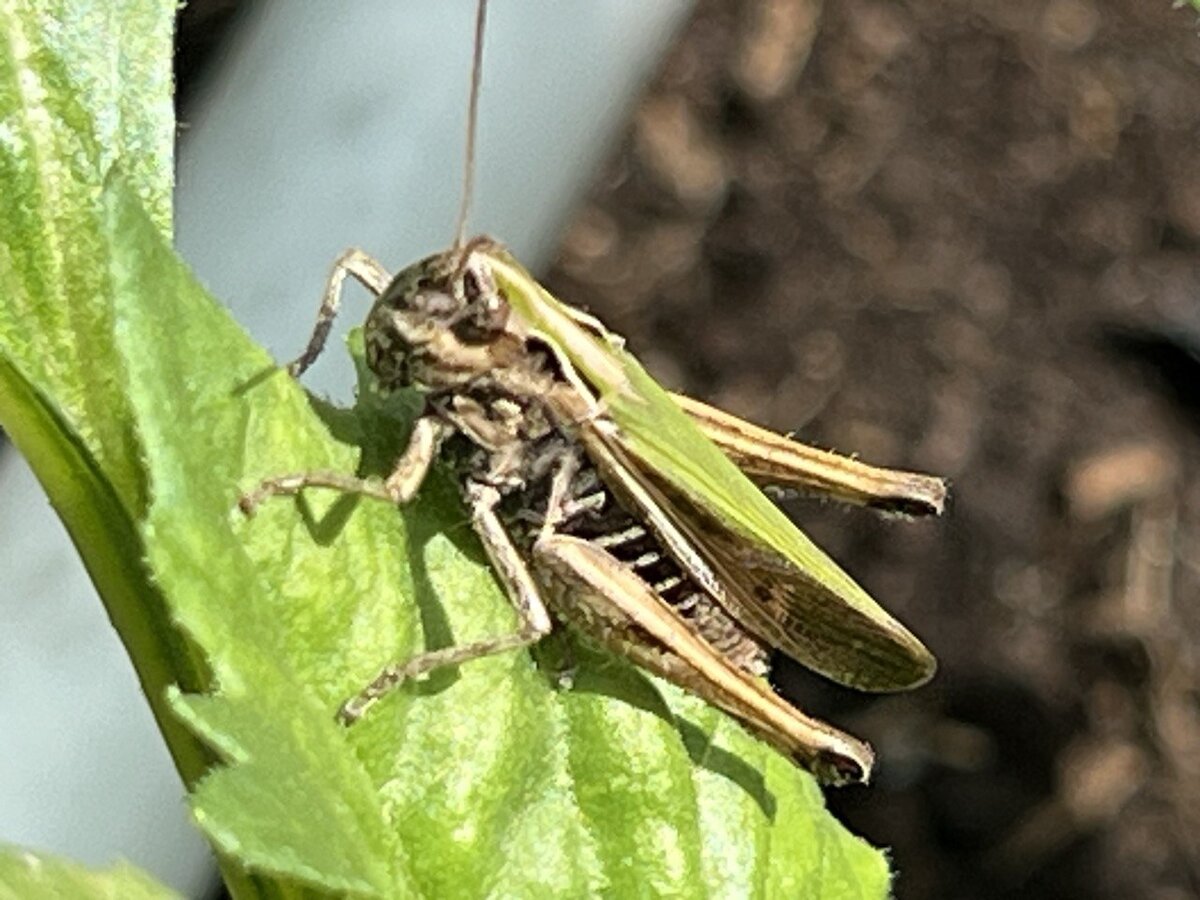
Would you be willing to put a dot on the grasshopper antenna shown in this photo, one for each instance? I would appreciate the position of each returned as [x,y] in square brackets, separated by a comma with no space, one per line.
[464,207]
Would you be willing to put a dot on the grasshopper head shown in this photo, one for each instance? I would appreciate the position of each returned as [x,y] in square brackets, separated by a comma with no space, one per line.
[434,325]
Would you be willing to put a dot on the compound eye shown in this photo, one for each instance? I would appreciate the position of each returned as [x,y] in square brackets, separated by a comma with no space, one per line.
[483,321]
[486,314]
[402,292]
[437,304]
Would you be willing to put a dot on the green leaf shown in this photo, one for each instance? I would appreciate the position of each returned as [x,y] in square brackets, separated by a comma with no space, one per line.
[25,875]
[488,778]
[145,410]
[85,87]
[85,91]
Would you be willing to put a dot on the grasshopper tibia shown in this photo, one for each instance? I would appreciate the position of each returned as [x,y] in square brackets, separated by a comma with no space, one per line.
[514,575]
[399,487]
[373,276]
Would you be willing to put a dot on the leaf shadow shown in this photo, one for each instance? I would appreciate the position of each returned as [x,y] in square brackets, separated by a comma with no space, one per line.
[378,432]
[708,755]
[596,671]
[324,530]
[246,386]
[435,624]
[420,529]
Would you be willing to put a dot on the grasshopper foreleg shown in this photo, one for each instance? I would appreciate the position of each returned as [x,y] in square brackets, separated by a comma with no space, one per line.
[373,276]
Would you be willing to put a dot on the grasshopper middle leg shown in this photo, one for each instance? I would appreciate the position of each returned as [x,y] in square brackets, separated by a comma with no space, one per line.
[399,487]
[518,583]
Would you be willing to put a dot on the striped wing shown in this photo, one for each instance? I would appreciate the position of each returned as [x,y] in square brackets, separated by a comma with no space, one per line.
[753,560]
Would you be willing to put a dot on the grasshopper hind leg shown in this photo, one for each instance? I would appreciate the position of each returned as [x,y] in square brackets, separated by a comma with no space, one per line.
[605,599]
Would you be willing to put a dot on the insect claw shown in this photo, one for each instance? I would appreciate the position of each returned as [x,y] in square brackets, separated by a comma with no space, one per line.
[352,710]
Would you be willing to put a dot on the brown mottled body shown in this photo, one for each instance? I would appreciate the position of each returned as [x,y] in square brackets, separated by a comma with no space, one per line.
[565,522]
[594,491]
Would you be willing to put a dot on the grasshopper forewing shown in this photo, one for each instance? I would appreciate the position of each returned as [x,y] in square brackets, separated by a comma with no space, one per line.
[774,581]
[770,459]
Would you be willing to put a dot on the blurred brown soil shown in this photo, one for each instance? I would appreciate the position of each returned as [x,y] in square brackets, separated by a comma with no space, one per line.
[911,231]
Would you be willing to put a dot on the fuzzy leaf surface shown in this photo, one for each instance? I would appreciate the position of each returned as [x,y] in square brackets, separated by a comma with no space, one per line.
[144,411]
[25,875]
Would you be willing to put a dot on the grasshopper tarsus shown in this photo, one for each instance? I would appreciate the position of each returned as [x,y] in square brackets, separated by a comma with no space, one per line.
[295,482]
[300,364]
[248,504]
[392,677]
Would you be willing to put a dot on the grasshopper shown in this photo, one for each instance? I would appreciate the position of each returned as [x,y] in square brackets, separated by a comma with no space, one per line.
[608,504]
